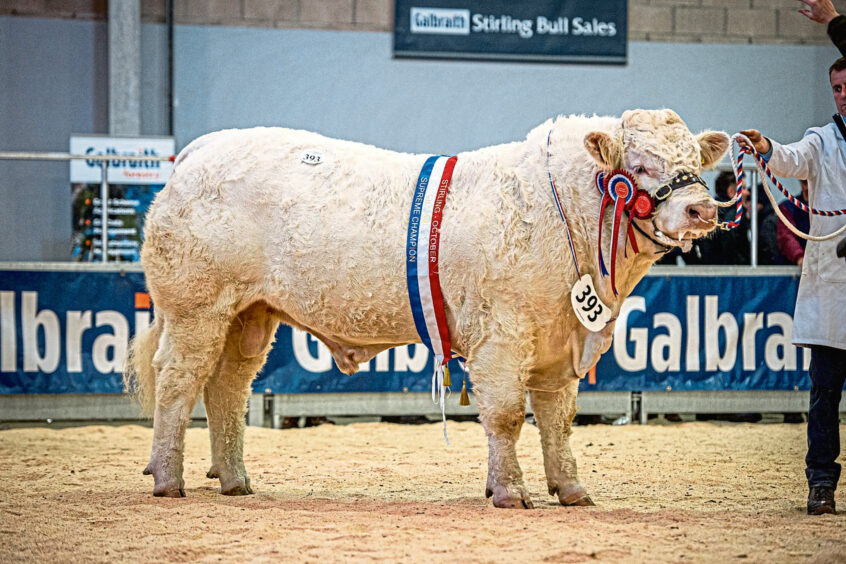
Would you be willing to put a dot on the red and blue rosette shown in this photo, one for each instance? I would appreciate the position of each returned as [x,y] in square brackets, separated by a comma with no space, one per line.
[620,189]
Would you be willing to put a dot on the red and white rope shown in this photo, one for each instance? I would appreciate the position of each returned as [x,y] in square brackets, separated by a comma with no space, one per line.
[765,172]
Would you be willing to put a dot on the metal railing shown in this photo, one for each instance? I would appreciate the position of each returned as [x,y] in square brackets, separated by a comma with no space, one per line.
[104,177]
[751,179]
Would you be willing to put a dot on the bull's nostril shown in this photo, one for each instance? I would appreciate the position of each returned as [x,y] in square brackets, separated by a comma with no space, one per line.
[701,213]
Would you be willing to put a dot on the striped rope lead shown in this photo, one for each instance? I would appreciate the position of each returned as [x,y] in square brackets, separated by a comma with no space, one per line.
[764,171]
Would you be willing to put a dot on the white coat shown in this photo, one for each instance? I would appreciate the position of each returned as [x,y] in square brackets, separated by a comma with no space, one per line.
[819,157]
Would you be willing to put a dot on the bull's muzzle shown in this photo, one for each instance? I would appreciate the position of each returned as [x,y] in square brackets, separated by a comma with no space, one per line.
[703,212]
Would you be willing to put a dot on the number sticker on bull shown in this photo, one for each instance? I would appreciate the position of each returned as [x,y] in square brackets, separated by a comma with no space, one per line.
[590,310]
[312,157]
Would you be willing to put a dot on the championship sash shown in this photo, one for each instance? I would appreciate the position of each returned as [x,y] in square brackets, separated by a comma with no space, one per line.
[424,229]
[424,287]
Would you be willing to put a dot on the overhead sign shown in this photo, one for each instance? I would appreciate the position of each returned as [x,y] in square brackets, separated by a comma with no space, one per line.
[583,31]
[121,171]
[127,208]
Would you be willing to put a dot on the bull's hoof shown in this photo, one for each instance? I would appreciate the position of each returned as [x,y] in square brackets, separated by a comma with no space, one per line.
[584,501]
[514,497]
[513,503]
[236,486]
[171,492]
[237,490]
[573,494]
[166,487]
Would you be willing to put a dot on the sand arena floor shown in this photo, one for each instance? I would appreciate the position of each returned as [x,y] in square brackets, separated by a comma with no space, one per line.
[701,492]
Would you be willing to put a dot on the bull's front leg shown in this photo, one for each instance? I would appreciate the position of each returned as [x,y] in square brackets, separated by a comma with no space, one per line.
[554,413]
[501,398]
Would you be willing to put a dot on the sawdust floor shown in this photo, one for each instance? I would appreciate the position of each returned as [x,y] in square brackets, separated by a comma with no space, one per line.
[710,492]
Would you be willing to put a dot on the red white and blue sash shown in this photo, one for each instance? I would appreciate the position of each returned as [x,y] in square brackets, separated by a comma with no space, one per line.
[424,287]
[424,229]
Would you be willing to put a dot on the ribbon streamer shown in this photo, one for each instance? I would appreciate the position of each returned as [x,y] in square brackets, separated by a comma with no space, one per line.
[620,188]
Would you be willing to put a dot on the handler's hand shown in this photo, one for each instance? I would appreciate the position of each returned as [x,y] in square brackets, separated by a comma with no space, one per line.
[821,11]
[761,143]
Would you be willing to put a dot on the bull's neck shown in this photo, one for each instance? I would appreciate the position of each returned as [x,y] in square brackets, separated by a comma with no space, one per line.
[526,162]
[630,271]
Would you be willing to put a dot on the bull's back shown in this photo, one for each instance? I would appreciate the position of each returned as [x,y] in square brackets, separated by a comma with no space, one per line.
[312,223]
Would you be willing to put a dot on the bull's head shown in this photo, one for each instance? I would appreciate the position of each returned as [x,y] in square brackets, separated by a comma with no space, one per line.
[658,149]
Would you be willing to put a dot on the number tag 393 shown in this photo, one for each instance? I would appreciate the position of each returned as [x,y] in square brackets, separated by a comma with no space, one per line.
[590,310]
[312,157]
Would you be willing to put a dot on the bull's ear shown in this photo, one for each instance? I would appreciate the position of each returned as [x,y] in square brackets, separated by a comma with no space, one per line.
[712,145]
[607,152]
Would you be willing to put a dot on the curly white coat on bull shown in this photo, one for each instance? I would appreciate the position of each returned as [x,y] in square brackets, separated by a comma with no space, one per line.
[246,236]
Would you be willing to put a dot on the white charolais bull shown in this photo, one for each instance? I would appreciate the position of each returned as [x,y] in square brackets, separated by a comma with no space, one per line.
[247,234]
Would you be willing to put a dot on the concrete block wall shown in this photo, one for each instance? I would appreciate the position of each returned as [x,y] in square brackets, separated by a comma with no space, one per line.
[725,21]
[356,15]
[687,21]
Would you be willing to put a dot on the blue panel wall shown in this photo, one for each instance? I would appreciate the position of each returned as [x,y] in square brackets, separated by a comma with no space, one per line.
[66,332]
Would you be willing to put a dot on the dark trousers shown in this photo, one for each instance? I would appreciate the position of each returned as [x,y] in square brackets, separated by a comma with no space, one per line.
[828,372]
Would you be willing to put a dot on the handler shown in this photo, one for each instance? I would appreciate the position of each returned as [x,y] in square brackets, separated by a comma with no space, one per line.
[818,322]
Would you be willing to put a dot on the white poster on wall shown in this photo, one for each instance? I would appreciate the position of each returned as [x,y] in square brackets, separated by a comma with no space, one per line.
[121,171]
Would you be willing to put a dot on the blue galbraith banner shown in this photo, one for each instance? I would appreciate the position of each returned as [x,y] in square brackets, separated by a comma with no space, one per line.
[67,332]
[706,333]
[583,31]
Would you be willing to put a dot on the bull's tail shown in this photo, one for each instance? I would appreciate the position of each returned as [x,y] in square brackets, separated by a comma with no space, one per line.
[139,376]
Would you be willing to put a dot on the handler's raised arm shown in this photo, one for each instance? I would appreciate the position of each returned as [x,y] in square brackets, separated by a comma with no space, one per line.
[821,11]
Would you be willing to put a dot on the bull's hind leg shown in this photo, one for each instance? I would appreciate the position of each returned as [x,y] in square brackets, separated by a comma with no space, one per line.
[554,412]
[227,393]
[189,349]
[501,399]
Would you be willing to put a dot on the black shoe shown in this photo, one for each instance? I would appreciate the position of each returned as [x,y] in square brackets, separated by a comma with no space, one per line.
[821,500]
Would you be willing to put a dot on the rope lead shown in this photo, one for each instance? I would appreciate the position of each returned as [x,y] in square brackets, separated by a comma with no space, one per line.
[765,172]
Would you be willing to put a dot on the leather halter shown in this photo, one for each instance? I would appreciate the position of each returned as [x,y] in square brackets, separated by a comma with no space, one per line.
[681,180]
